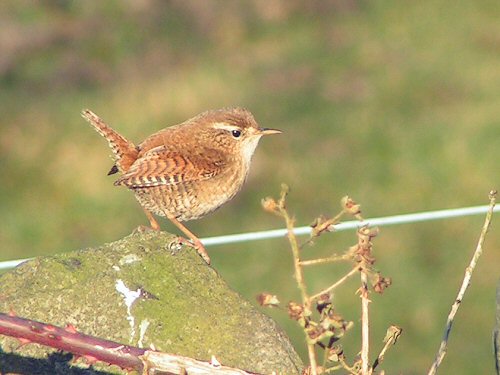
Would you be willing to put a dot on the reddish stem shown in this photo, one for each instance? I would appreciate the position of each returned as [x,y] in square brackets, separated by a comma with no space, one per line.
[67,339]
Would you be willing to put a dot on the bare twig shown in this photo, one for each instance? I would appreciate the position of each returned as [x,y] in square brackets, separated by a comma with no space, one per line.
[365,327]
[322,225]
[465,283]
[496,332]
[299,273]
[392,335]
[365,260]
[95,349]
[330,327]
[164,363]
[354,370]
[69,340]
[335,285]
[332,259]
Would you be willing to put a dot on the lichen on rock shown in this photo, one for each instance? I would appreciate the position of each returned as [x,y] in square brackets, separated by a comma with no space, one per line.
[143,291]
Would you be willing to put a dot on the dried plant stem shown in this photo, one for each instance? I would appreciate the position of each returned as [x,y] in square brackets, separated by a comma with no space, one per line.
[365,328]
[299,274]
[496,332]
[352,369]
[333,369]
[331,326]
[335,285]
[332,259]
[327,225]
[164,363]
[465,283]
[95,349]
[393,333]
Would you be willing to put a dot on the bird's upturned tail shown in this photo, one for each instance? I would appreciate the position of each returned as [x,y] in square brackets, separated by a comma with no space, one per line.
[124,151]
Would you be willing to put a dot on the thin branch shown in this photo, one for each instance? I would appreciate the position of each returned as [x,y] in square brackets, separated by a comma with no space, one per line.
[392,335]
[299,273]
[332,259]
[164,363]
[322,225]
[365,327]
[465,283]
[333,369]
[95,349]
[354,370]
[496,332]
[69,340]
[335,285]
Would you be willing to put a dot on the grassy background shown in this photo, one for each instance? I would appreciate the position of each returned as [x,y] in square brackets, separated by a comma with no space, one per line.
[395,103]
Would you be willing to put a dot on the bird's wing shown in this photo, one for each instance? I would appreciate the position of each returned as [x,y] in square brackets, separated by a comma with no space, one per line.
[161,166]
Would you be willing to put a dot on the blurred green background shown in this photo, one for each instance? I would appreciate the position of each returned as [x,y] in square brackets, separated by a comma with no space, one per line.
[396,103]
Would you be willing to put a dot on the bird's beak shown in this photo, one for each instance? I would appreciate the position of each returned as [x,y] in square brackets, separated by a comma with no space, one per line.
[269,131]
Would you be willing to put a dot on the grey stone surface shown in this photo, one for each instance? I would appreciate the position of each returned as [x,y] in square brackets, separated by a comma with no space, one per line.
[184,306]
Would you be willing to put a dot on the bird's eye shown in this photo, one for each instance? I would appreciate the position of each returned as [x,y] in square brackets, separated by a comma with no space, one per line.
[236,133]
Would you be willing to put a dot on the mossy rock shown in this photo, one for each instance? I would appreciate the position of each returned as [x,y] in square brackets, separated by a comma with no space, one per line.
[184,307]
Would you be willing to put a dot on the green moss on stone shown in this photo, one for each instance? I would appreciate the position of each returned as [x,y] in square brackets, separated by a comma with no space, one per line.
[187,308]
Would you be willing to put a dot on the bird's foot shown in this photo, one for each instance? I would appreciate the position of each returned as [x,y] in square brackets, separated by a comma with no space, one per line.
[198,246]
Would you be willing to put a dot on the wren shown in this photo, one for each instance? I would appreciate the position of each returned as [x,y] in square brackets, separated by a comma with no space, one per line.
[189,170]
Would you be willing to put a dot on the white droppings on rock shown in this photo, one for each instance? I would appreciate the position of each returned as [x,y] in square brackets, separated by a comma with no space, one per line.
[129,297]
[142,331]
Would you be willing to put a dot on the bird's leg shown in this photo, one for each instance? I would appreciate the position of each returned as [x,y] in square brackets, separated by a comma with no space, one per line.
[152,220]
[196,241]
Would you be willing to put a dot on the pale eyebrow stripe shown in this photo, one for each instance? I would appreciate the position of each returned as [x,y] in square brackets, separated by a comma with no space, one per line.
[224,126]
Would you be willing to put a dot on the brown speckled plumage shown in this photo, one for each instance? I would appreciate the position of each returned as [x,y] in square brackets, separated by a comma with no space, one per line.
[186,171]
